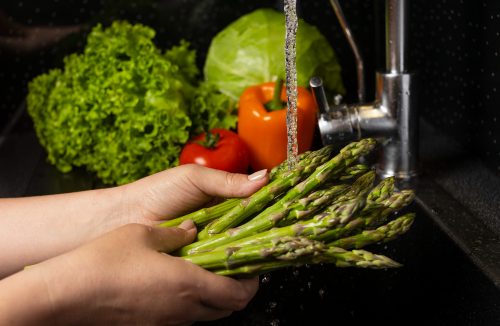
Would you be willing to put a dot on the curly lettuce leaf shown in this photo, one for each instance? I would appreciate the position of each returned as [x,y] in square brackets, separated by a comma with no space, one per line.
[120,109]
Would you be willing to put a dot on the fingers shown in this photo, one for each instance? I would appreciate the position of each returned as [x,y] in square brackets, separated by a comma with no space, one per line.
[224,184]
[225,293]
[170,239]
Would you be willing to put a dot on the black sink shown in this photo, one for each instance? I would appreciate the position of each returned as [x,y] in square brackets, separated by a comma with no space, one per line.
[451,260]
[438,284]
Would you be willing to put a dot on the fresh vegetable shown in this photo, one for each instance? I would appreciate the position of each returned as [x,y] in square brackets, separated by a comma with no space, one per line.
[206,215]
[319,220]
[250,51]
[265,131]
[266,194]
[123,108]
[218,149]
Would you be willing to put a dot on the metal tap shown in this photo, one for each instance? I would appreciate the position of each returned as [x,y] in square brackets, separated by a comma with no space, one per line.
[392,117]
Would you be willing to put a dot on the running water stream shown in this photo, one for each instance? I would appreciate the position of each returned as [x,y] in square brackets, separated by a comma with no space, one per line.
[291,25]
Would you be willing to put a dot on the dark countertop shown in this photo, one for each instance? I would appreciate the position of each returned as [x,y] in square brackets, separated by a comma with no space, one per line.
[463,196]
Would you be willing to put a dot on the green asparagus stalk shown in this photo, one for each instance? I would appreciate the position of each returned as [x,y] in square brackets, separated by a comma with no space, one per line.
[306,207]
[380,192]
[340,162]
[281,168]
[372,215]
[204,215]
[335,256]
[380,203]
[344,208]
[384,233]
[354,172]
[291,250]
[208,214]
[262,197]
[285,248]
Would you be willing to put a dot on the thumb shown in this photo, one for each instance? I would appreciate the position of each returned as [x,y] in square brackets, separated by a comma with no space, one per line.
[172,238]
[225,184]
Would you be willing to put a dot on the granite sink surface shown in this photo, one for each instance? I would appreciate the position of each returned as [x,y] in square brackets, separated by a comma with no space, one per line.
[450,257]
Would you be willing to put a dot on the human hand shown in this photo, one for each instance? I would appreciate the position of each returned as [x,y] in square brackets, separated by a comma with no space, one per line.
[56,224]
[177,191]
[123,278]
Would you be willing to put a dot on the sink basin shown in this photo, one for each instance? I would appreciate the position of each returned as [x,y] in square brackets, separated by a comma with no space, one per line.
[438,284]
[451,261]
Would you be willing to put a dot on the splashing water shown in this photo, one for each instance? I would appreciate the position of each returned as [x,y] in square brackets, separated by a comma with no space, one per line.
[291,24]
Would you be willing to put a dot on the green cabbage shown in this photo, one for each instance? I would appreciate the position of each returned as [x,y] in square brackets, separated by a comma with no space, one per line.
[123,109]
[251,50]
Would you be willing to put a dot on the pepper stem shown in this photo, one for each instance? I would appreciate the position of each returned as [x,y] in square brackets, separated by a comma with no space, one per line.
[276,103]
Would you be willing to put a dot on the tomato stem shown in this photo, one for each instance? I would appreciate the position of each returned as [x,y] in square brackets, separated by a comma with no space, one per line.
[210,141]
[276,103]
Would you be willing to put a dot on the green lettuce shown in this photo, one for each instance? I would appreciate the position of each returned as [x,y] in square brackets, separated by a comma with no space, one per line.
[251,50]
[123,108]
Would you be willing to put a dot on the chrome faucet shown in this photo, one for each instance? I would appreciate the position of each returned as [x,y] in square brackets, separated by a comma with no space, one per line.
[392,117]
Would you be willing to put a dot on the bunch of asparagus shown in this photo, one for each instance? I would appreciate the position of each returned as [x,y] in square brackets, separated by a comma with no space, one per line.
[322,211]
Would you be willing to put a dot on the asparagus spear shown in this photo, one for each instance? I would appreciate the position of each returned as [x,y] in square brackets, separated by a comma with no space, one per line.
[305,207]
[384,233]
[336,256]
[208,214]
[291,250]
[281,168]
[372,215]
[294,210]
[347,155]
[204,215]
[284,248]
[354,171]
[344,208]
[262,197]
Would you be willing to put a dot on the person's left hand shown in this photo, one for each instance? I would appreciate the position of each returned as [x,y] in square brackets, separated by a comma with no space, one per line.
[180,190]
[123,277]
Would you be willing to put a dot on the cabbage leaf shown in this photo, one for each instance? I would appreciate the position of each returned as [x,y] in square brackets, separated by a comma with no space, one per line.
[250,51]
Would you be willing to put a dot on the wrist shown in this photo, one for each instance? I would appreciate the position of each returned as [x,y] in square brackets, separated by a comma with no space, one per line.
[119,209]
[27,288]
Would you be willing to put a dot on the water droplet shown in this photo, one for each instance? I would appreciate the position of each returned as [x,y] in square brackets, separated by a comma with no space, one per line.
[265,279]
[274,322]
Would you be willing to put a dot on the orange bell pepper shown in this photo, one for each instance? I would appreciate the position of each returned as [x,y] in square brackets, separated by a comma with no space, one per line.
[264,131]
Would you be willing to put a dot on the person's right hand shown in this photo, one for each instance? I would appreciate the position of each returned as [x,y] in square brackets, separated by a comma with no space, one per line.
[124,277]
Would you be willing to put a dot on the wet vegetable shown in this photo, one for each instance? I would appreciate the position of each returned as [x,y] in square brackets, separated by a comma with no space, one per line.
[264,131]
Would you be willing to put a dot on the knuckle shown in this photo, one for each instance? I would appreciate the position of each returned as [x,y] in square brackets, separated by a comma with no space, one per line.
[187,169]
[230,179]
[137,229]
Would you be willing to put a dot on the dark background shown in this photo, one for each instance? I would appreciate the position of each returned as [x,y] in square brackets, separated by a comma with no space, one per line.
[454,47]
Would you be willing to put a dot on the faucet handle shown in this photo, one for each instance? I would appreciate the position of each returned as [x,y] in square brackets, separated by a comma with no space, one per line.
[334,122]
[319,95]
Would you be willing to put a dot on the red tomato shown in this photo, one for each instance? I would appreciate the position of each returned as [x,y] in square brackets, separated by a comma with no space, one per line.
[227,153]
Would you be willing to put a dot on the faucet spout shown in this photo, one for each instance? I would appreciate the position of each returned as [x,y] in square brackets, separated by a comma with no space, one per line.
[391,117]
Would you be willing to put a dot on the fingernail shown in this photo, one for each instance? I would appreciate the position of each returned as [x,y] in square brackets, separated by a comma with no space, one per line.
[257,175]
[187,225]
